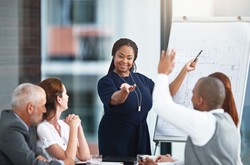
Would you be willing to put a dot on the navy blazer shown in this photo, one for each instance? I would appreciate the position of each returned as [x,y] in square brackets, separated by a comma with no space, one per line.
[18,142]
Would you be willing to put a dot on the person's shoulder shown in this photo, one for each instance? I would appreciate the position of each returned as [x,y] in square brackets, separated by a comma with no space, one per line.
[10,119]
[44,125]
[222,115]
[7,114]
[142,76]
[107,78]
[44,122]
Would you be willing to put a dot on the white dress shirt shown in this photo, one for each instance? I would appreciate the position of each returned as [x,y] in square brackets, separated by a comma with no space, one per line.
[199,126]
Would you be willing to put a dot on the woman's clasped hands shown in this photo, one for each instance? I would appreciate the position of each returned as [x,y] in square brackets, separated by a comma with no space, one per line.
[73,120]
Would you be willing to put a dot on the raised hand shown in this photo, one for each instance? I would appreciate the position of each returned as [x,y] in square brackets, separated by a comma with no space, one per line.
[166,63]
[190,65]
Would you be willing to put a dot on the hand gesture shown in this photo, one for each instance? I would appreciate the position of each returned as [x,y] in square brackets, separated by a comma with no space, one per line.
[146,161]
[128,88]
[164,158]
[166,63]
[190,65]
[41,158]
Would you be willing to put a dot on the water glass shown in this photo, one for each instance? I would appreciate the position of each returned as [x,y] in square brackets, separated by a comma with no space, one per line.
[96,159]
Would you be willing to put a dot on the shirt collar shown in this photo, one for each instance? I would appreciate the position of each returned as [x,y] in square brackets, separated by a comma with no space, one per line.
[217,111]
[21,120]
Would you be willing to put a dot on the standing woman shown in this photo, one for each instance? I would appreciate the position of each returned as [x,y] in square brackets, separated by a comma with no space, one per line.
[60,138]
[127,98]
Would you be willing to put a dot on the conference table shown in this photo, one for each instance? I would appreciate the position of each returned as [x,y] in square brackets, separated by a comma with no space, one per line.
[103,163]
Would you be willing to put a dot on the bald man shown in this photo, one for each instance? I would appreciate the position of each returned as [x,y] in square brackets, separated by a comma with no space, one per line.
[212,135]
[17,134]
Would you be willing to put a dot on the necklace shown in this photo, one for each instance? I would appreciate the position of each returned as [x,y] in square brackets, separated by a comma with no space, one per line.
[138,95]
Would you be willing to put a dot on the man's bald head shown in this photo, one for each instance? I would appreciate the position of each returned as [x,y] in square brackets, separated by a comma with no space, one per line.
[212,91]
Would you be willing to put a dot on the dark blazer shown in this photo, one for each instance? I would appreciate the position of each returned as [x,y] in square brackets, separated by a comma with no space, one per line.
[18,142]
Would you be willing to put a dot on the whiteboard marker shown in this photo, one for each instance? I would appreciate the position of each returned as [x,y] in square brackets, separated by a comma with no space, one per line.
[196,58]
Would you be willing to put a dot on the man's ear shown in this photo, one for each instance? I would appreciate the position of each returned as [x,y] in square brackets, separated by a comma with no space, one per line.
[30,108]
[200,101]
[202,104]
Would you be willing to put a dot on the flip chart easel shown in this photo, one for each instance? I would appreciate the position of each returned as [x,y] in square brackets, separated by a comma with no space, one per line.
[225,42]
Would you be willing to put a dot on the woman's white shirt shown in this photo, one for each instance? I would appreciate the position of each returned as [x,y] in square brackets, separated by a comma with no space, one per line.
[48,135]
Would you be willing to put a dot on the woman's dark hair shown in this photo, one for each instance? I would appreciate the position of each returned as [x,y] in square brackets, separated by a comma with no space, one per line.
[53,87]
[117,45]
[229,105]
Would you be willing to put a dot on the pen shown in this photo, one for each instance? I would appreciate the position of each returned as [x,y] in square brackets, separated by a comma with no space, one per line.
[196,58]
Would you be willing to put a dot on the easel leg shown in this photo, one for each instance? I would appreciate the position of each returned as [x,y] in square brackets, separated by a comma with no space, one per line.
[166,148]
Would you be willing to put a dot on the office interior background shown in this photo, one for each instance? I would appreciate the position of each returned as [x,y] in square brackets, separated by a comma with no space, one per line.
[72,40]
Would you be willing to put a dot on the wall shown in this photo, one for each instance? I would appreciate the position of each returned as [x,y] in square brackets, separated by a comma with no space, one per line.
[8,50]
[19,46]
[232,8]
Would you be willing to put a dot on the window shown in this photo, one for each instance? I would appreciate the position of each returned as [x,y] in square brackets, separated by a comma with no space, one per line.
[77,40]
